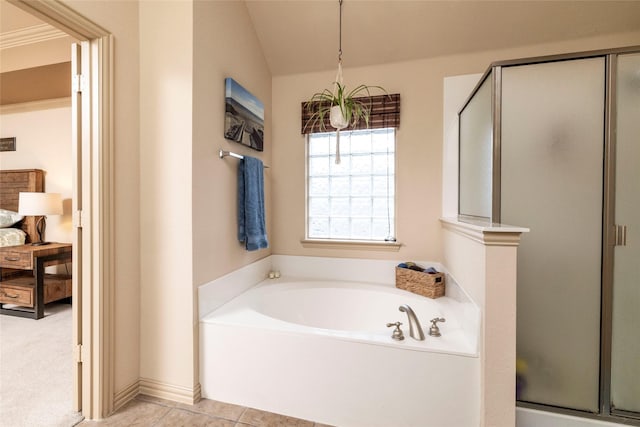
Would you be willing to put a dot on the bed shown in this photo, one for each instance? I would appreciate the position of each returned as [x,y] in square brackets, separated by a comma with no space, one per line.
[12,182]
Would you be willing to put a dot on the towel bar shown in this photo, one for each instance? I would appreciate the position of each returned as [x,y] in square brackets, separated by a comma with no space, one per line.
[224,154]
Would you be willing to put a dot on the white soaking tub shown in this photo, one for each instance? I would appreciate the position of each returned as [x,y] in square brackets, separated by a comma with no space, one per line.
[321,351]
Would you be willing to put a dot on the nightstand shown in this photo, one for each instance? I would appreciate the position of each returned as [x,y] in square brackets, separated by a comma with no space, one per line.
[28,288]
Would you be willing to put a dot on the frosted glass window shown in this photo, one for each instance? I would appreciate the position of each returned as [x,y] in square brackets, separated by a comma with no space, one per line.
[551,181]
[476,147]
[354,199]
[625,356]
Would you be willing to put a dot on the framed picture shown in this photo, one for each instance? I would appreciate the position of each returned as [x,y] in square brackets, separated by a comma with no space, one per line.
[8,144]
[243,117]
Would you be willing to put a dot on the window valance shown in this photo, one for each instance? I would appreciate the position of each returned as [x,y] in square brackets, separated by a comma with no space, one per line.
[384,113]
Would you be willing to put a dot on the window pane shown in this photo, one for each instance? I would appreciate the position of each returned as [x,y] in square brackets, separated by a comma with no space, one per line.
[319,206]
[381,164]
[380,187]
[343,168]
[361,165]
[360,186]
[361,207]
[361,143]
[380,229]
[320,145]
[318,166]
[339,228]
[361,228]
[381,206]
[340,186]
[340,206]
[382,142]
[318,186]
[318,227]
[345,198]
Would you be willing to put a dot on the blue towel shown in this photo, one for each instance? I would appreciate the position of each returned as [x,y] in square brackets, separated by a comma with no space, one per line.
[251,229]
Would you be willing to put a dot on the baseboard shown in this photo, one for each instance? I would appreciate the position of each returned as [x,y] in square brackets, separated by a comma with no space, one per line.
[170,392]
[125,396]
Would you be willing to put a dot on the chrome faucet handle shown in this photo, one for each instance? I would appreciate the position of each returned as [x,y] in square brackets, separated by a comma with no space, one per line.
[434,331]
[397,332]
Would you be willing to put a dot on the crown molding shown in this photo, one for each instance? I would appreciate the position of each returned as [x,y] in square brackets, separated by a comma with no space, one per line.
[29,35]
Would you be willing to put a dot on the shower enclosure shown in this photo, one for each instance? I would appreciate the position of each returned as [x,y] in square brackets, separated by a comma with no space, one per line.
[553,144]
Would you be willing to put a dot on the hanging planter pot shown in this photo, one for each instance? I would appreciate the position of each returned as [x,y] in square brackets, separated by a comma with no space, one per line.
[337,119]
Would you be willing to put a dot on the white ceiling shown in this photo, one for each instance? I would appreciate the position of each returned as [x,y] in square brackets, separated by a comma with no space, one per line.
[302,35]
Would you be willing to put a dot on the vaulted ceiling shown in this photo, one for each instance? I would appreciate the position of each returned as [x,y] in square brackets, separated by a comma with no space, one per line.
[300,36]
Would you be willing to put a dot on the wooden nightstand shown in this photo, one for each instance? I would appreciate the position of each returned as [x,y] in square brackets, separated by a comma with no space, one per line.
[30,288]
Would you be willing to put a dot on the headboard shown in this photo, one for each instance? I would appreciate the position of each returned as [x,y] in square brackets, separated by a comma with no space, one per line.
[13,182]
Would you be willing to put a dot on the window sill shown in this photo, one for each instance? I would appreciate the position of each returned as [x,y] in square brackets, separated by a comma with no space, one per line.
[351,244]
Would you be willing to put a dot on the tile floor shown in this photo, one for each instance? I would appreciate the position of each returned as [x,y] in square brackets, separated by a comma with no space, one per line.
[145,411]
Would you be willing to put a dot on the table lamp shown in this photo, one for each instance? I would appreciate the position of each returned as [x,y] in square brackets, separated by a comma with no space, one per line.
[40,204]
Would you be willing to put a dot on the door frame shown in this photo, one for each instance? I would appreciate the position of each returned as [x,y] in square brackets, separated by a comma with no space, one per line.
[94,219]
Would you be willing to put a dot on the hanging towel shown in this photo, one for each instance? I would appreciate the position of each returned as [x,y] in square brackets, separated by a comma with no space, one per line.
[251,229]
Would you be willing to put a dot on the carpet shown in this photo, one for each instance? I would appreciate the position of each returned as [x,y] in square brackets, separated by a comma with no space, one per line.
[36,362]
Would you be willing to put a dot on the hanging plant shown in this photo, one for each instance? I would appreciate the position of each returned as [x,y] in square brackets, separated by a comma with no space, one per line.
[343,108]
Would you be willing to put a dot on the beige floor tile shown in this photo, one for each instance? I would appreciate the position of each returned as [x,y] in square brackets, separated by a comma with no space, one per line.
[215,409]
[258,418]
[135,413]
[181,418]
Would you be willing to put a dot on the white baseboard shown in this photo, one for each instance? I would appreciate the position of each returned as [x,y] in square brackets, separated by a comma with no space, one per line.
[125,396]
[170,392]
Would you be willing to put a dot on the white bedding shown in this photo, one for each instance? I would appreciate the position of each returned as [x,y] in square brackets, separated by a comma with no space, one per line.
[12,237]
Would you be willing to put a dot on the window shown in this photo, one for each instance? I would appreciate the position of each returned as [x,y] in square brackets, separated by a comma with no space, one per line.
[355,199]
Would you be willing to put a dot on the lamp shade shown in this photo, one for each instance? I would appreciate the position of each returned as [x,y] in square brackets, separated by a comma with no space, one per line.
[37,204]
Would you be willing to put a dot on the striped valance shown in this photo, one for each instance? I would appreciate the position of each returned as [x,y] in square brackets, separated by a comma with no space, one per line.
[384,113]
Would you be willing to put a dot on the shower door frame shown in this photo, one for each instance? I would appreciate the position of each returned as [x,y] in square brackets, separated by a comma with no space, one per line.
[494,71]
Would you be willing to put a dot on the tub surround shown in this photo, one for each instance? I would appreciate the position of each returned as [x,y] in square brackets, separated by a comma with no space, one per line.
[222,290]
[350,311]
[320,350]
[351,373]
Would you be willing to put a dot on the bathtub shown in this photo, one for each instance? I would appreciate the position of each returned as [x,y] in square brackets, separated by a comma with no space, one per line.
[321,351]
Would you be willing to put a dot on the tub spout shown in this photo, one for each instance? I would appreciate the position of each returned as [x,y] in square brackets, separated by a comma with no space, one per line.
[415,329]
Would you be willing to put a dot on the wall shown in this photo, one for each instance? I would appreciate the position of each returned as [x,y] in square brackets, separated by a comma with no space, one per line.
[166,262]
[220,28]
[121,19]
[419,142]
[46,146]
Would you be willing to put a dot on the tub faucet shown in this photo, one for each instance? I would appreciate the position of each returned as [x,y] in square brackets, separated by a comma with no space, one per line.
[415,329]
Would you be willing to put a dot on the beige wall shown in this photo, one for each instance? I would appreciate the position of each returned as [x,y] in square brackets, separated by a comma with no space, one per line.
[121,19]
[419,143]
[46,146]
[166,262]
[225,45]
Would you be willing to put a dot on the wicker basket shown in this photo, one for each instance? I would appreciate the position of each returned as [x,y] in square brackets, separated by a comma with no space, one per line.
[430,285]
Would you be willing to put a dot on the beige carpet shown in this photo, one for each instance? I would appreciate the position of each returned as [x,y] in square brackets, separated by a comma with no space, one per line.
[36,387]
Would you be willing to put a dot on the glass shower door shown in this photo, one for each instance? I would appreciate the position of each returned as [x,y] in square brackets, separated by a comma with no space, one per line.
[551,182]
[625,355]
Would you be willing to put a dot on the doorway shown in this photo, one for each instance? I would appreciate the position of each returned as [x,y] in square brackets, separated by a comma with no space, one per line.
[92,215]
